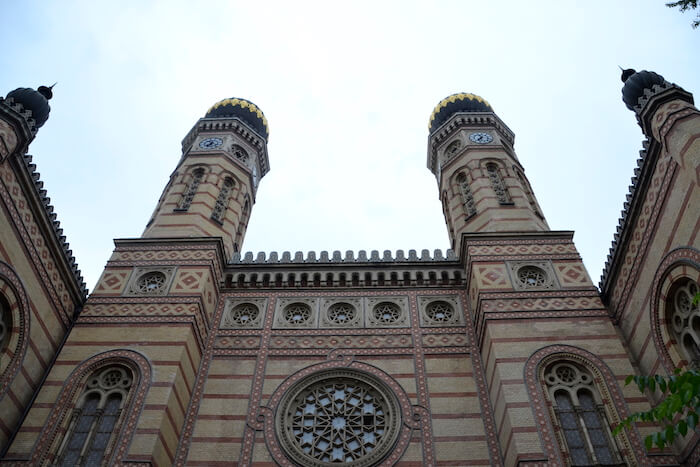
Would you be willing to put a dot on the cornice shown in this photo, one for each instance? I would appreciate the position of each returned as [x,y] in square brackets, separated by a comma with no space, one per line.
[237,126]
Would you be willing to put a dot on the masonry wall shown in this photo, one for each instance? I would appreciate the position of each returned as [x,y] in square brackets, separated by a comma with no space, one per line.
[37,286]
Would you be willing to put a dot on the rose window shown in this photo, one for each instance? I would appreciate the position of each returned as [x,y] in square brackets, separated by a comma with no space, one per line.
[342,417]
[240,154]
[113,377]
[244,314]
[387,312]
[532,276]
[440,312]
[151,282]
[297,313]
[685,321]
[341,313]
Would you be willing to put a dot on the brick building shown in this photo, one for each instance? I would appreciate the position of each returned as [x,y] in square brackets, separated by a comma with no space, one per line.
[500,351]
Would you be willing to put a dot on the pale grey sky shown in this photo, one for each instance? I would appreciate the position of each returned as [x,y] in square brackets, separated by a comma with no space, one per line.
[347,89]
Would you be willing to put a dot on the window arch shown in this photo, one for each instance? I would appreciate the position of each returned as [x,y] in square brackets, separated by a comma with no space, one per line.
[528,191]
[191,191]
[219,211]
[497,183]
[599,386]
[467,196]
[95,417]
[580,415]
[131,382]
[14,325]
[683,318]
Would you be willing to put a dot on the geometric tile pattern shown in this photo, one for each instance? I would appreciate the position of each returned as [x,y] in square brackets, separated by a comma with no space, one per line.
[572,275]
[112,281]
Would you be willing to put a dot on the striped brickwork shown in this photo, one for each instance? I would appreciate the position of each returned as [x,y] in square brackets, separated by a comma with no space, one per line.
[172,221]
[37,284]
[660,247]
[513,325]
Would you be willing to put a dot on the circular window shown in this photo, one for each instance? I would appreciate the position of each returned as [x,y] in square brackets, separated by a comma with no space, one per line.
[532,276]
[440,312]
[297,314]
[110,378]
[244,314]
[685,321]
[338,417]
[453,148]
[151,282]
[240,154]
[341,313]
[387,312]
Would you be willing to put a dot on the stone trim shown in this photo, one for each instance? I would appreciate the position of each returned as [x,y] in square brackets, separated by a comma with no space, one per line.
[44,449]
[18,301]
[131,289]
[677,264]
[424,302]
[227,321]
[606,383]
[408,418]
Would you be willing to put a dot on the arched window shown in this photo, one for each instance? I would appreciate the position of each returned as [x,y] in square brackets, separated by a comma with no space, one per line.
[528,192]
[95,417]
[219,211]
[467,197]
[5,325]
[683,318]
[197,176]
[499,186]
[580,415]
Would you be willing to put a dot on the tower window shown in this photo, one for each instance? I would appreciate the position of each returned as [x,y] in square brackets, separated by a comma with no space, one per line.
[187,198]
[240,154]
[219,212]
[467,196]
[499,186]
[580,415]
[528,192]
[453,148]
[95,417]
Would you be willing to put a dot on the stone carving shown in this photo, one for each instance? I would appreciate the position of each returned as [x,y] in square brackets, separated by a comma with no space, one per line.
[440,310]
[244,313]
[150,281]
[296,313]
[387,312]
[532,275]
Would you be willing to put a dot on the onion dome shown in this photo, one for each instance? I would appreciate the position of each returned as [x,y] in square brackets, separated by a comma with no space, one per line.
[636,83]
[36,101]
[461,102]
[243,109]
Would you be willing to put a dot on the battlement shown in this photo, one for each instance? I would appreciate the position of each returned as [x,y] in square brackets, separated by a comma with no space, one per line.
[337,257]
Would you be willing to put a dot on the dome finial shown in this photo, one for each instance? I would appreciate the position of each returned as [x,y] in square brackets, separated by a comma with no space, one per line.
[47,91]
[626,73]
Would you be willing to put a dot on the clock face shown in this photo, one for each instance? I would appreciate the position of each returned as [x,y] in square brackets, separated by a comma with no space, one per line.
[481,138]
[211,143]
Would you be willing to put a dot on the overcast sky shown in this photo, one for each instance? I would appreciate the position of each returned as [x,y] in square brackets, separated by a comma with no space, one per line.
[347,89]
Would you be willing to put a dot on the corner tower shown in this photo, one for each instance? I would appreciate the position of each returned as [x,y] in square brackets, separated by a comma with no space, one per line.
[482,185]
[212,190]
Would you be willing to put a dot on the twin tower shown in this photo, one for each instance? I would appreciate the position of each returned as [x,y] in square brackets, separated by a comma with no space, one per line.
[482,185]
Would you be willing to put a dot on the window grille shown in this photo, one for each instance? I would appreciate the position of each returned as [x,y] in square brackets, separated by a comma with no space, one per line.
[467,197]
[219,211]
[499,186]
[187,198]
[580,416]
[95,418]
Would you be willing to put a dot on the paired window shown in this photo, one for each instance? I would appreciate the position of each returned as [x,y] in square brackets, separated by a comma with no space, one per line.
[467,196]
[197,176]
[497,183]
[219,212]
[95,417]
[580,415]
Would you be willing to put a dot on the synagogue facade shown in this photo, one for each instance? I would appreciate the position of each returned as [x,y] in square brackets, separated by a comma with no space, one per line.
[498,351]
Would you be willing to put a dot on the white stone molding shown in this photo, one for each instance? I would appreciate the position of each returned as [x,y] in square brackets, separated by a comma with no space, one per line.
[296,313]
[341,312]
[387,312]
[152,281]
[532,275]
[440,310]
[244,313]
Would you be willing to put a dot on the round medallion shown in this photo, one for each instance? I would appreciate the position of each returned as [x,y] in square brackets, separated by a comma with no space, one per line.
[480,138]
[211,143]
[337,417]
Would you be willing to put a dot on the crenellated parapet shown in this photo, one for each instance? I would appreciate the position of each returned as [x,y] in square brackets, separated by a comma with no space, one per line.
[349,270]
